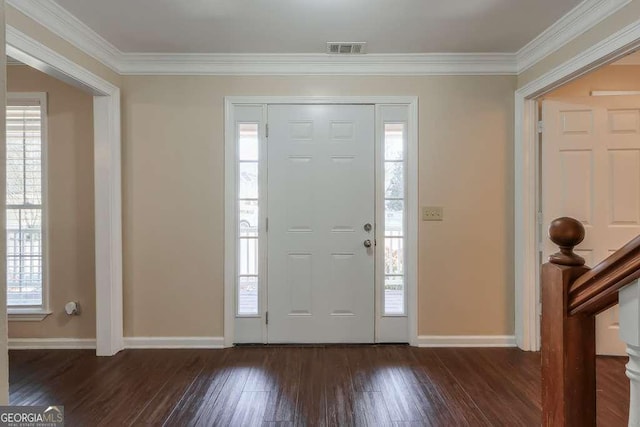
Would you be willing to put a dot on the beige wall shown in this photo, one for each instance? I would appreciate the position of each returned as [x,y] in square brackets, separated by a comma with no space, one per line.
[612,77]
[173,193]
[173,197]
[625,16]
[36,31]
[71,212]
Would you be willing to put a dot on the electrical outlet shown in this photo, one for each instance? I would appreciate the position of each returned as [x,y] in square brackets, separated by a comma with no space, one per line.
[432,213]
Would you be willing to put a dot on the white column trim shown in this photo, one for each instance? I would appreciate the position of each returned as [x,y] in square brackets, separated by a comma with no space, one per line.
[108,224]
[526,324]
[107,175]
[4,355]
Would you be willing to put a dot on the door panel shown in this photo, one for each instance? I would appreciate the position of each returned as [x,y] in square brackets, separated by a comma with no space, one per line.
[321,191]
[591,171]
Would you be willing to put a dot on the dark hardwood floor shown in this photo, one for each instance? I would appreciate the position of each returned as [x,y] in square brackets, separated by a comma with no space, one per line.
[279,386]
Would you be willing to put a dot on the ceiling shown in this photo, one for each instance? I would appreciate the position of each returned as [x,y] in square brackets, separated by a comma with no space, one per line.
[304,26]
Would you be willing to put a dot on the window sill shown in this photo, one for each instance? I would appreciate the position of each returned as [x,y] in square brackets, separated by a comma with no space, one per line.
[27,315]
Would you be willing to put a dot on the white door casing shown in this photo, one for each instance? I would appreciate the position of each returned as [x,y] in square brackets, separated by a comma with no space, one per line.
[252,328]
[591,171]
[526,208]
[321,186]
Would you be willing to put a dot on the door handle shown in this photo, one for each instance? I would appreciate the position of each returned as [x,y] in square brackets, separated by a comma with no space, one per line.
[367,243]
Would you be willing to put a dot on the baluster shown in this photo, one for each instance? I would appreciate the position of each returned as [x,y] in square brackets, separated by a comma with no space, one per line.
[630,334]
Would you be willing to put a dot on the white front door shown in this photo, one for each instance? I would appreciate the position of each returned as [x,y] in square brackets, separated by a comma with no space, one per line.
[591,171]
[321,196]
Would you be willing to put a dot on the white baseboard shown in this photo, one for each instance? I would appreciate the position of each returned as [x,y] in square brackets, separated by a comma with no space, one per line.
[173,342]
[129,342]
[467,341]
[51,343]
[218,342]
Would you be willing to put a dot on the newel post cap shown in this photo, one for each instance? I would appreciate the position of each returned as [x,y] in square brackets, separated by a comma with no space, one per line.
[567,233]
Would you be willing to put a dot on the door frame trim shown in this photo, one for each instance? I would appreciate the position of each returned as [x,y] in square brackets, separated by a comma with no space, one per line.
[230,102]
[526,163]
[107,179]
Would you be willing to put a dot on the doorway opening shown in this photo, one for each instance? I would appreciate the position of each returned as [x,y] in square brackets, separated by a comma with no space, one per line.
[590,169]
[107,190]
[575,157]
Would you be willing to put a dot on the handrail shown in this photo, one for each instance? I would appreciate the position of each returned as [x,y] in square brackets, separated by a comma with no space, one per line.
[597,290]
[572,294]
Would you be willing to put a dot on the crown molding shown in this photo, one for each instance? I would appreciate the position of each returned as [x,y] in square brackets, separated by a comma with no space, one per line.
[33,53]
[319,64]
[577,21]
[617,45]
[632,59]
[13,61]
[62,23]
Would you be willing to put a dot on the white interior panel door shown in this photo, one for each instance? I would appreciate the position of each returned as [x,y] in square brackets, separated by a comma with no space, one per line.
[591,171]
[321,194]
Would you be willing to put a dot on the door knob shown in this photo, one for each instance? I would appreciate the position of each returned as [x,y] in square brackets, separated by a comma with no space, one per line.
[367,243]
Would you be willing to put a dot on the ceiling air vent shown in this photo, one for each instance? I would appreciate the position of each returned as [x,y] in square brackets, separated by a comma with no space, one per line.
[345,48]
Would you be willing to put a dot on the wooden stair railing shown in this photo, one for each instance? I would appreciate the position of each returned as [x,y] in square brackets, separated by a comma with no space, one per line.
[572,294]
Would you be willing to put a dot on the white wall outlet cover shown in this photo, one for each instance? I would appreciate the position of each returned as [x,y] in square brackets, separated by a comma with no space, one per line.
[72,308]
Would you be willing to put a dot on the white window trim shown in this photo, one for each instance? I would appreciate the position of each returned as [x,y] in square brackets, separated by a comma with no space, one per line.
[411,203]
[37,313]
[27,314]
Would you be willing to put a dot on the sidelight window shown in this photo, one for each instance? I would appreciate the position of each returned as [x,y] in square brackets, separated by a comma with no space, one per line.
[248,219]
[394,218]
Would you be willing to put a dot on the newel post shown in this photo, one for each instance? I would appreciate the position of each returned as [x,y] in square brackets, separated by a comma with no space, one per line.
[568,342]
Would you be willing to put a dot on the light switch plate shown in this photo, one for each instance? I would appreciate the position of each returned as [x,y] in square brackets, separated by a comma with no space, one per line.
[432,213]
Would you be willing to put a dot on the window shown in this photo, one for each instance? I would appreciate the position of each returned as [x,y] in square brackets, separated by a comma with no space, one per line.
[248,219]
[25,198]
[394,218]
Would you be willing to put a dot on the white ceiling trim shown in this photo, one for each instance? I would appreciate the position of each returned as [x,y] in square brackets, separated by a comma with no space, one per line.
[13,61]
[58,20]
[633,59]
[62,23]
[319,64]
[577,21]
